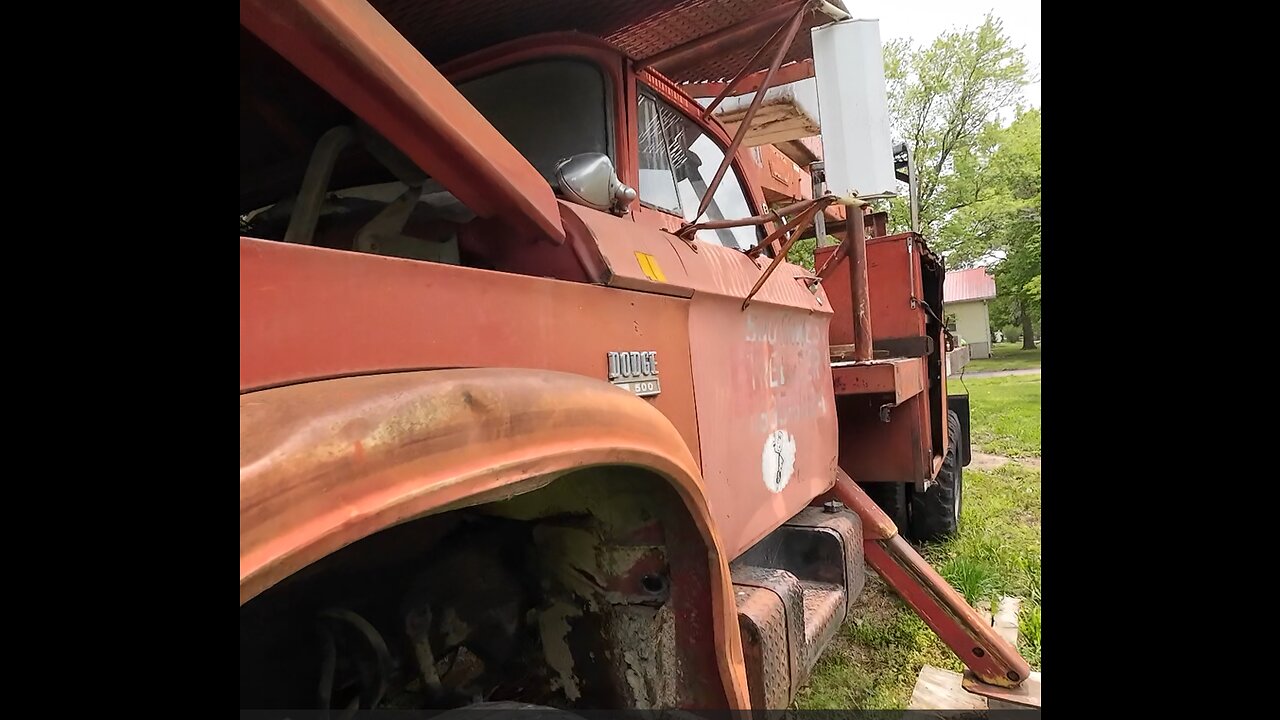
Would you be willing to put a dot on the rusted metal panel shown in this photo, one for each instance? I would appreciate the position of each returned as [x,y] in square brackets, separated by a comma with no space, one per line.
[830,261]
[637,257]
[787,588]
[893,262]
[308,313]
[873,450]
[766,411]
[763,621]
[1025,696]
[903,448]
[893,280]
[350,50]
[325,464]
[311,313]
[781,178]
[450,29]
[900,378]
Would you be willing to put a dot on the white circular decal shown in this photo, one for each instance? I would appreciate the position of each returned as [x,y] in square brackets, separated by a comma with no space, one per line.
[778,461]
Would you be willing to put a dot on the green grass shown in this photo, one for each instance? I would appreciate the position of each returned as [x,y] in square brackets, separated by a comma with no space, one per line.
[1005,356]
[877,655]
[1004,412]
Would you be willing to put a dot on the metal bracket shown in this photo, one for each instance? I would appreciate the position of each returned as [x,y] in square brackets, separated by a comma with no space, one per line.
[688,241]
[811,283]
[1025,696]
[884,411]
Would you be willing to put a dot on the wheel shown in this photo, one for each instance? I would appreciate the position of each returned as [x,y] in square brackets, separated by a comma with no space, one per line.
[935,513]
[892,499]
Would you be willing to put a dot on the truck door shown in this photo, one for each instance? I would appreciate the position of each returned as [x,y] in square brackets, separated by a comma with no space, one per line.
[761,374]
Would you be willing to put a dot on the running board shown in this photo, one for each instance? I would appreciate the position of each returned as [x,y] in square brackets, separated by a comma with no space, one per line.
[793,590]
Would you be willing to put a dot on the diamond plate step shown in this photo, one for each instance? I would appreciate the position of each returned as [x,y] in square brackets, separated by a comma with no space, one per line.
[824,610]
[793,591]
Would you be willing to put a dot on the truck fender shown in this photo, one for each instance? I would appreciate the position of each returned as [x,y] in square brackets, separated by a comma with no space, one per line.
[324,464]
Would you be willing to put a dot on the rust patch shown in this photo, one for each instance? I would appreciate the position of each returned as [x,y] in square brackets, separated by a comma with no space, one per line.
[553,626]
[650,661]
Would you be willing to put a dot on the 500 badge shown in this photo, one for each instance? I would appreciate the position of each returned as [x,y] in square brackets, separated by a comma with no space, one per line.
[635,371]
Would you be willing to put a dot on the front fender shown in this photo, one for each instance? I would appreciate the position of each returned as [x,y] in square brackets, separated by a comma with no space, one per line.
[325,464]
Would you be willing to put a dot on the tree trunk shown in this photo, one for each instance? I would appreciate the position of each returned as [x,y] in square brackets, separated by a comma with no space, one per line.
[1028,332]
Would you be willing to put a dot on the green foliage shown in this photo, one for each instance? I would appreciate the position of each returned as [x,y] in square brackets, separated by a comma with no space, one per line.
[1005,356]
[1016,167]
[943,100]
[1005,412]
[801,253]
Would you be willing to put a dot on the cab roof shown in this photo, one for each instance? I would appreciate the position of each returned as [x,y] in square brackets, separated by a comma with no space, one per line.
[445,30]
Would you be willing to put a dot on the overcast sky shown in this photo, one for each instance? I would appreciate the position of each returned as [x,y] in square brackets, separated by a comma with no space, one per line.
[924,20]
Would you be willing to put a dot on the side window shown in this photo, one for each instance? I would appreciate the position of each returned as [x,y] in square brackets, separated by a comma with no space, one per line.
[677,162]
[657,183]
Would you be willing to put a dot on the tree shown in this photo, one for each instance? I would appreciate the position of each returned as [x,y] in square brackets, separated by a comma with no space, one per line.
[1011,223]
[941,100]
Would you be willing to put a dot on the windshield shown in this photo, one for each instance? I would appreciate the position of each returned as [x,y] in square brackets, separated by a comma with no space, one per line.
[548,110]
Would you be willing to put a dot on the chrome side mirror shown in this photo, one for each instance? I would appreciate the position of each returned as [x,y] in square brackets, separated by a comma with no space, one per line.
[589,179]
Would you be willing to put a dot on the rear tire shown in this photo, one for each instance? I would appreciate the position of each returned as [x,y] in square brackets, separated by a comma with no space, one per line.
[892,499]
[935,513]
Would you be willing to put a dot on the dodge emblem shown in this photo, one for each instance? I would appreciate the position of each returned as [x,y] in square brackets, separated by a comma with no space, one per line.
[636,372]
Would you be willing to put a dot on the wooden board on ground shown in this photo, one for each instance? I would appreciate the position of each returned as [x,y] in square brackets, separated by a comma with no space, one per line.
[940,690]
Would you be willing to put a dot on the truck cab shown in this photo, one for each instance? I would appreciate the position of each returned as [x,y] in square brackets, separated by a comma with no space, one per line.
[518,422]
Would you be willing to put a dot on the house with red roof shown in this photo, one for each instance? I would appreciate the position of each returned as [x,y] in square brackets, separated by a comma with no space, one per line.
[965,294]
